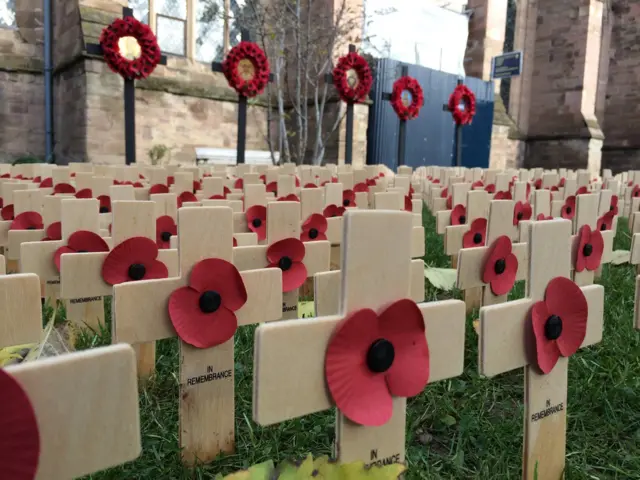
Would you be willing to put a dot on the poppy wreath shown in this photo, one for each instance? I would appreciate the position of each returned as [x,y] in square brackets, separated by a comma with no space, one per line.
[140,67]
[412,86]
[357,63]
[462,95]
[82,241]
[230,68]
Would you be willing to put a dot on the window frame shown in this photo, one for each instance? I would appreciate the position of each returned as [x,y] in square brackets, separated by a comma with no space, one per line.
[186,35]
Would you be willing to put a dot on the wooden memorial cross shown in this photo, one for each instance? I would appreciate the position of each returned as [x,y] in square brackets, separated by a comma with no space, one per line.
[456,212]
[8,190]
[20,309]
[129,49]
[358,346]
[402,124]
[27,226]
[186,306]
[54,436]
[248,71]
[458,130]
[298,260]
[394,200]
[539,333]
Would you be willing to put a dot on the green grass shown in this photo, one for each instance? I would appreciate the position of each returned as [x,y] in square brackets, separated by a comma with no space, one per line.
[467,427]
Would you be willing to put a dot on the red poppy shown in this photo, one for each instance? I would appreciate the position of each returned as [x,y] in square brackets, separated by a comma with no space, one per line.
[310,185]
[554,189]
[502,195]
[289,198]
[46,183]
[582,190]
[137,185]
[458,215]
[105,203]
[636,191]
[491,188]
[562,182]
[203,313]
[18,177]
[206,175]
[444,192]
[171,180]
[477,183]
[186,197]
[436,180]
[314,228]
[559,322]
[84,193]
[1,202]
[217,197]
[476,236]
[20,450]
[158,188]
[334,179]
[331,211]
[449,202]
[569,208]
[528,194]
[542,216]
[27,221]
[500,267]
[590,248]
[371,358]
[63,188]
[5,175]
[411,191]
[257,220]
[53,232]
[521,211]
[235,242]
[196,186]
[7,212]
[226,191]
[239,183]
[287,255]
[348,198]
[263,178]
[272,187]
[361,187]
[381,175]
[408,204]
[605,222]
[132,260]
[629,183]
[81,241]
[118,182]
[165,228]
[538,184]
[372,182]
[613,207]
[297,180]
[140,176]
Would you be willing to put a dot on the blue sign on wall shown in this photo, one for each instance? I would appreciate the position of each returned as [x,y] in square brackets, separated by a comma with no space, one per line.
[506,65]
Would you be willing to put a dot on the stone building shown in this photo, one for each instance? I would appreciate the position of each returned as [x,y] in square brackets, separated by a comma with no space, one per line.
[573,106]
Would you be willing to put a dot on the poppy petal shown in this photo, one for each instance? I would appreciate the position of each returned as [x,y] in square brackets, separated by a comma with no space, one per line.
[597,248]
[27,221]
[54,231]
[135,250]
[315,221]
[458,215]
[503,283]
[565,299]
[58,253]
[84,193]
[155,269]
[85,241]
[46,183]
[222,277]
[158,188]
[64,188]
[288,247]
[547,353]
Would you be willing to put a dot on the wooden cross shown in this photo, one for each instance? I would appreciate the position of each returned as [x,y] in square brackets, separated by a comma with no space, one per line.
[445,108]
[373,276]
[55,437]
[444,218]
[507,342]
[283,222]
[30,200]
[144,314]
[242,108]
[129,92]
[20,309]
[395,200]
[402,124]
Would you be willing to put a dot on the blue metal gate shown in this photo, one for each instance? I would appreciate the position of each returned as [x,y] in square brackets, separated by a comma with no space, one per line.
[430,137]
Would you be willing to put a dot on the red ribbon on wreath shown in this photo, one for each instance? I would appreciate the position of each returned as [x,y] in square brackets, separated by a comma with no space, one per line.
[462,105]
[407,98]
[246,69]
[137,68]
[341,78]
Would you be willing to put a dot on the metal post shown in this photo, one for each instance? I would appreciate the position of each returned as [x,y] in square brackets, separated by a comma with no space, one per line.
[348,141]
[402,128]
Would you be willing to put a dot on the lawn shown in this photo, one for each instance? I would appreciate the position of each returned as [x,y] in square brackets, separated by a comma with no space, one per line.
[467,427]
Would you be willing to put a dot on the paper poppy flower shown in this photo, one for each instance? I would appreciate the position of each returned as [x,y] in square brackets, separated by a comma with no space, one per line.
[84,193]
[289,198]
[263,178]
[217,197]
[590,248]
[5,175]
[521,211]
[636,191]
[46,183]
[500,267]
[203,313]
[411,191]
[310,185]
[63,188]
[37,179]
[542,216]
[171,180]
[348,198]
[613,206]
[1,202]
[371,182]
[165,228]
[408,204]
[582,190]
[7,212]
[361,187]
[53,232]
[287,255]
[449,202]
[477,184]
[257,220]
[132,260]
[605,222]
[331,211]
[559,322]
[81,241]
[314,228]
[555,189]
[186,197]
[502,195]
[371,358]
[105,203]
[272,187]
[239,183]
[20,444]
[569,208]
[562,182]
[476,235]
[458,215]
[196,186]
[444,192]
[528,194]
[491,188]
[158,188]
[538,184]
[27,221]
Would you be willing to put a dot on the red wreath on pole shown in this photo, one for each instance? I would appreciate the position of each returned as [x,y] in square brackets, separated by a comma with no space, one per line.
[150,55]
[462,96]
[246,69]
[341,78]
[407,110]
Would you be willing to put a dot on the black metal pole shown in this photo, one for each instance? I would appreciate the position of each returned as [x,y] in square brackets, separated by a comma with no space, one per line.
[402,127]
[458,145]
[348,144]
[242,129]
[48,83]
[130,120]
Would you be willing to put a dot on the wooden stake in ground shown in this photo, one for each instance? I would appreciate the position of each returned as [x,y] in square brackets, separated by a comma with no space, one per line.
[53,436]
[539,333]
[381,348]
[203,307]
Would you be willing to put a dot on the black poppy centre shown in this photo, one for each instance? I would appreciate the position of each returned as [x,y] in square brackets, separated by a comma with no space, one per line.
[462,219]
[587,250]
[603,227]
[210,301]
[346,202]
[31,227]
[380,356]
[500,266]
[313,233]
[520,216]
[477,238]
[568,209]
[553,327]
[104,209]
[256,222]
[165,236]
[137,271]
[285,263]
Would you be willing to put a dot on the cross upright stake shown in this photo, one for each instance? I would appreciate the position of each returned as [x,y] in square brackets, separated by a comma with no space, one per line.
[20,310]
[402,126]
[531,333]
[458,130]
[129,99]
